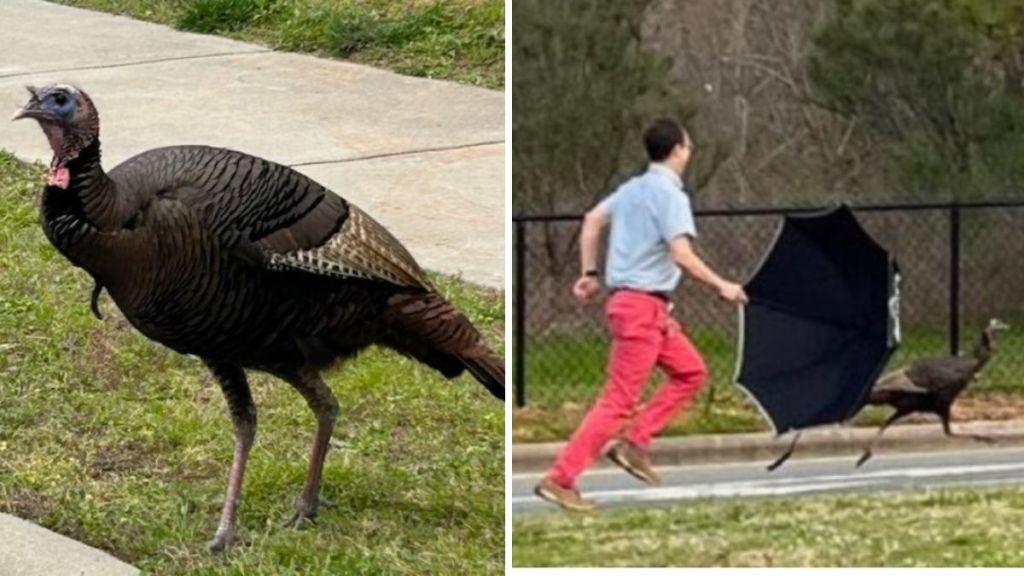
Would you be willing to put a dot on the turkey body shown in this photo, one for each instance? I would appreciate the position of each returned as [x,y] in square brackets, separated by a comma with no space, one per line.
[926,385]
[931,385]
[219,254]
[246,264]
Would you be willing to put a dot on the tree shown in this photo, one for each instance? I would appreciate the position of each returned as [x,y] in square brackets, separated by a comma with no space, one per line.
[936,84]
[583,87]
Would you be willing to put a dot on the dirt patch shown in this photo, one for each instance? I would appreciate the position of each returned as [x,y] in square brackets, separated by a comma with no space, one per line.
[536,424]
[98,360]
[989,406]
[24,503]
[113,461]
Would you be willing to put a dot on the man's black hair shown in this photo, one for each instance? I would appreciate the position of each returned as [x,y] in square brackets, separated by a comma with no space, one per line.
[661,137]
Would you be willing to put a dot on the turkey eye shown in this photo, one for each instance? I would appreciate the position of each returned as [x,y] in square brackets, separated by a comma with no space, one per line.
[60,99]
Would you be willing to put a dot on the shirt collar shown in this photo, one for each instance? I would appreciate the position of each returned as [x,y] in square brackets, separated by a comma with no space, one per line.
[666,172]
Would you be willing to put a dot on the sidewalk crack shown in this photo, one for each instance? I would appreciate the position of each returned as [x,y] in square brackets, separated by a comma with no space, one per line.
[412,152]
[134,63]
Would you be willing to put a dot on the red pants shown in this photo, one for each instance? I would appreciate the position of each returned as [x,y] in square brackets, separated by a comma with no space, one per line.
[643,335]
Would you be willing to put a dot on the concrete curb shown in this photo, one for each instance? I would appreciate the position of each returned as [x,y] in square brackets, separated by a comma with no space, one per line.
[832,441]
[30,550]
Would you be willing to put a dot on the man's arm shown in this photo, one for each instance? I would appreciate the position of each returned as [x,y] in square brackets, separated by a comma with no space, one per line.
[593,223]
[683,254]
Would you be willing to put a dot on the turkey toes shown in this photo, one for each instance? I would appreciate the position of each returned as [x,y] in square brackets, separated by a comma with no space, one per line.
[305,513]
[985,439]
[220,542]
[864,458]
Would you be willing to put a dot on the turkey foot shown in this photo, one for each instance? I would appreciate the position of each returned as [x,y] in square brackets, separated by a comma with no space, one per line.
[222,540]
[864,458]
[976,437]
[305,512]
[984,439]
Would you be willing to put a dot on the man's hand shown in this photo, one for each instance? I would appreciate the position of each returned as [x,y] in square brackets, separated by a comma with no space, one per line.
[586,288]
[683,254]
[732,292]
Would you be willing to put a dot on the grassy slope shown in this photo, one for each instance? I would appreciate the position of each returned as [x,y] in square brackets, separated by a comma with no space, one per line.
[935,528]
[462,40]
[125,445]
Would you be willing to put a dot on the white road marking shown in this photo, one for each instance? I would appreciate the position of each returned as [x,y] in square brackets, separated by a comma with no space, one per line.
[845,460]
[784,486]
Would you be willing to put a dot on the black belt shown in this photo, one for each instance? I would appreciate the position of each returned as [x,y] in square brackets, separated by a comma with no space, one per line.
[663,296]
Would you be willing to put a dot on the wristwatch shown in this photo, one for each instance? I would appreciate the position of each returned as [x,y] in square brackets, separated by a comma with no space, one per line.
[592,273]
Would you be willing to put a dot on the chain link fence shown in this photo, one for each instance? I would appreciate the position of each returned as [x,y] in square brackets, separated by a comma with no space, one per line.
[961,264]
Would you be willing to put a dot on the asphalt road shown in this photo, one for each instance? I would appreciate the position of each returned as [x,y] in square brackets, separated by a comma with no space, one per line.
[895,471]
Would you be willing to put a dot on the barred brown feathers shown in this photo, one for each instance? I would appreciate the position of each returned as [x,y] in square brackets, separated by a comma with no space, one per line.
[246,264]
[235,258]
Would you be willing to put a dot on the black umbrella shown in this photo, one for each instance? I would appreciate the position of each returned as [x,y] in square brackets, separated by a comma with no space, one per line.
[822,321]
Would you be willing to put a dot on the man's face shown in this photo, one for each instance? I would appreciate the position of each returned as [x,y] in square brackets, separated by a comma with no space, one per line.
[683,152]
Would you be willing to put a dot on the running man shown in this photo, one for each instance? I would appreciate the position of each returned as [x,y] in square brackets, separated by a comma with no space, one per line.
[651,232]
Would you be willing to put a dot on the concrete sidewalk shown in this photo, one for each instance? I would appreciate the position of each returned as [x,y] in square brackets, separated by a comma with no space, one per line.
[28,550]
[424,157]
[832,441]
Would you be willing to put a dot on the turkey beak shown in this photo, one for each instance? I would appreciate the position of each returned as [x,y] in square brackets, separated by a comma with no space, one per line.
[30,110]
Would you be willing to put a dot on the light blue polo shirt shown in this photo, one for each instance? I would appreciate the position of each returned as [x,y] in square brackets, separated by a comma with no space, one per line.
[647,212]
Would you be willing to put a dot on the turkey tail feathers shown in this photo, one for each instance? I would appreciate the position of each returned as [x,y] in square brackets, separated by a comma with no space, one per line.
[490,371]
[430,329]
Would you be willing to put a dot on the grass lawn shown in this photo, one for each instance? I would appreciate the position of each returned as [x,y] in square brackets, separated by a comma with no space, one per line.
[932,528]
[565,373]
[125,445]
[461,40]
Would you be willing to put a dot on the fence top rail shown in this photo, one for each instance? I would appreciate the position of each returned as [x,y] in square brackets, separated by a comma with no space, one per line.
[786,210]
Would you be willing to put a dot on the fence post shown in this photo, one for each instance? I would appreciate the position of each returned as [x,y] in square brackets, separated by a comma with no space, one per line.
[520,313]
[954,280]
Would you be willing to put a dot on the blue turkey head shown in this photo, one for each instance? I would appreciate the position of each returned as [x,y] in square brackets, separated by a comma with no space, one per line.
[56,103]
[67,117]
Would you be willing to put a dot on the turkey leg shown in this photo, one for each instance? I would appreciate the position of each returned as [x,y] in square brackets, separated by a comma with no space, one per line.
[871,445]
[785,455]
[243,414]
[325,406]
[949,432]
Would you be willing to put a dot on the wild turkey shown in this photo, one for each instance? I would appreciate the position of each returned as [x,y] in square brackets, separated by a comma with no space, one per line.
[246,264]
[931,385]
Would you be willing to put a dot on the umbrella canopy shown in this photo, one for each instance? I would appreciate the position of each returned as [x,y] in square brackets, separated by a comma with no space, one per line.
[821,323]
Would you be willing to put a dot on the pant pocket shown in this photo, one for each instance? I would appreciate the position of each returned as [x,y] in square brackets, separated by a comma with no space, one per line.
[632,317]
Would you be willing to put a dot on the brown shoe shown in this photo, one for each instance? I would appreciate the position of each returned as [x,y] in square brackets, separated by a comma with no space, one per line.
[633,460]
[567,498]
